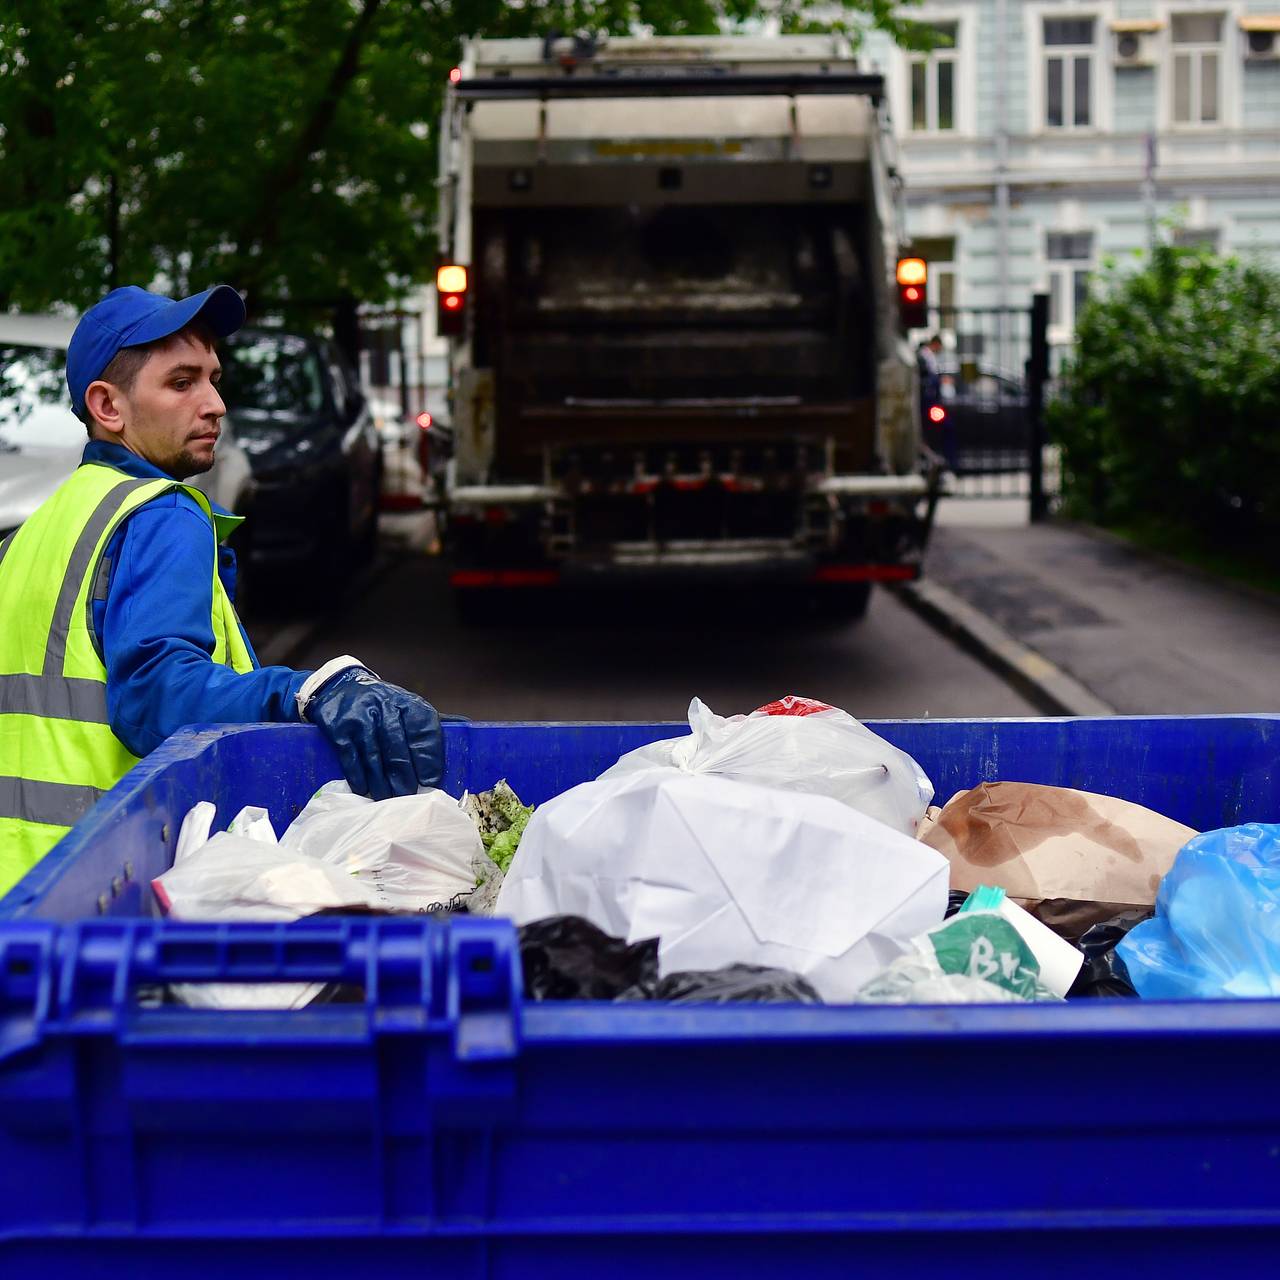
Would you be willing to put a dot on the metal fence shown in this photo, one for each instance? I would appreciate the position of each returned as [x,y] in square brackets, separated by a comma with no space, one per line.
[982,401]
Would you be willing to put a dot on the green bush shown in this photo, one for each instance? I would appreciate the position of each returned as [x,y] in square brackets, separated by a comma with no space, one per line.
[1168,411]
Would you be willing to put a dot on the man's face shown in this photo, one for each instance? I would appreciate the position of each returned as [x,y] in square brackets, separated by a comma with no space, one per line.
[173,414]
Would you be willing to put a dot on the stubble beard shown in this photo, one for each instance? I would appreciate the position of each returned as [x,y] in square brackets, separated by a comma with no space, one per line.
[187,464]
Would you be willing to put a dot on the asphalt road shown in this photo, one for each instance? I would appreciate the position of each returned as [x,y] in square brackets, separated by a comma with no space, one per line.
[641,657]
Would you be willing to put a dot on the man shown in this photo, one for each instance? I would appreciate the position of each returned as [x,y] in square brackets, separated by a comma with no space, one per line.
[117,622]
[930,373]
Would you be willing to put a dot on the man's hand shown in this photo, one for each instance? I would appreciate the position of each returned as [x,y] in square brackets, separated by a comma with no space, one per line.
[387,739]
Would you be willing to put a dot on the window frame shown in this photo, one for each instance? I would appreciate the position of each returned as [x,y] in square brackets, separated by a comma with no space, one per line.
[962,57]
[1065,270]
[1102,74]
[1230,65]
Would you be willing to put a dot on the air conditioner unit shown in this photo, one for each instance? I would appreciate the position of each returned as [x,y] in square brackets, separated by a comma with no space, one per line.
[1261,44]
[1134,48]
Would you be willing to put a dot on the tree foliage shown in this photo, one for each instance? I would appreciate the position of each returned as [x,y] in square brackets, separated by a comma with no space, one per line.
[287,147]
[1169,407]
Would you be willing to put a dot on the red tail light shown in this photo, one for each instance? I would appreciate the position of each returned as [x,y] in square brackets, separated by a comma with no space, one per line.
[937,413]
[424,420]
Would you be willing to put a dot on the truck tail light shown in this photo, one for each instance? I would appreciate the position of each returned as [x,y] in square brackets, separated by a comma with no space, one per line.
[913,276]
[451,300]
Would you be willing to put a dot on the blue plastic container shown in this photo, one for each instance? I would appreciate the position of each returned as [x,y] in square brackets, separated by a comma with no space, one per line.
[443,1128]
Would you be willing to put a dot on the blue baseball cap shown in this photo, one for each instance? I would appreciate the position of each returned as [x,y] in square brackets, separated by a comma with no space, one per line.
[132,317]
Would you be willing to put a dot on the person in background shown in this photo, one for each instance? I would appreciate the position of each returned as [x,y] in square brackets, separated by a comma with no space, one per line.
[930,371]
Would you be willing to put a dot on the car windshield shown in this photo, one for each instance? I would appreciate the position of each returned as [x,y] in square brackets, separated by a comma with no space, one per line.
[272,373]
[35,412]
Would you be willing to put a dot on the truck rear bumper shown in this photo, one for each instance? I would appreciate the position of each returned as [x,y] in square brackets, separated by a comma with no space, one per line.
[741,560]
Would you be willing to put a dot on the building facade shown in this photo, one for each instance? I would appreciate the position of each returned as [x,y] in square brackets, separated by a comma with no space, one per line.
[1043,136]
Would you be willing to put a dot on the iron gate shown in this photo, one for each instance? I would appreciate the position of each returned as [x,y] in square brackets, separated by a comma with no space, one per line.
[983,407]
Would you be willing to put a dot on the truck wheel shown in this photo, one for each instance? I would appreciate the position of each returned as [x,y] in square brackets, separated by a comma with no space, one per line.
[846,602]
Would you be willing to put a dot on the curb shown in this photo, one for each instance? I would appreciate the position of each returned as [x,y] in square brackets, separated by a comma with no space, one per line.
[1033,675]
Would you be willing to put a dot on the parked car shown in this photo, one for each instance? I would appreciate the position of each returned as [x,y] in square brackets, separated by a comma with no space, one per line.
[313,451]
[979,422]
[41,440]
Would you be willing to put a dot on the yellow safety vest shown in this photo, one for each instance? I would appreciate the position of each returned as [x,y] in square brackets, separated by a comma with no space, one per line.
[58,754]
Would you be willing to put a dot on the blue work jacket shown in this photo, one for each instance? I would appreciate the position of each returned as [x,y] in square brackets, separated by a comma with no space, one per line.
[155,625]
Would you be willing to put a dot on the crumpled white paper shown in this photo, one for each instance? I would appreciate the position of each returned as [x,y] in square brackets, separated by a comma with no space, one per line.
[723,871]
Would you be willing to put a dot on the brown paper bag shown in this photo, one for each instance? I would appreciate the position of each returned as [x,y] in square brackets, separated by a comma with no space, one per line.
[1054,842]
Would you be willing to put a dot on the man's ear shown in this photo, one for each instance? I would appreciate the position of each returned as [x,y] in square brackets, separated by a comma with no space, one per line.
[103,401]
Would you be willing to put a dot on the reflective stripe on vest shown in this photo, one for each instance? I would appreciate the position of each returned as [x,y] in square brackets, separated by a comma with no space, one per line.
[58,754]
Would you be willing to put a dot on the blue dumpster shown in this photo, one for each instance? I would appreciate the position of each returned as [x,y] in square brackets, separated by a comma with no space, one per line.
[440,1127]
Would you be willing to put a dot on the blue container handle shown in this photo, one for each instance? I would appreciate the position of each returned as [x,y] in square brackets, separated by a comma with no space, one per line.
[457,975]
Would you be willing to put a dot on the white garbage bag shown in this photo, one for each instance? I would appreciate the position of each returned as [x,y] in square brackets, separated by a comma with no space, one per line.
[410,853]
[797,745]
[725,872]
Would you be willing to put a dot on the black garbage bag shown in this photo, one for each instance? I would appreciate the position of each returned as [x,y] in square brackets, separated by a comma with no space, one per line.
[1103,972]
[568,958]
[734,984]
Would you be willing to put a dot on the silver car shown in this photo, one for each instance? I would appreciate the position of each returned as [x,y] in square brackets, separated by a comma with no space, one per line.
[41,440]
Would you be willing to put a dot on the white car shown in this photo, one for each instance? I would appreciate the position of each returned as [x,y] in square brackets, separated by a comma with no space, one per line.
[41,440]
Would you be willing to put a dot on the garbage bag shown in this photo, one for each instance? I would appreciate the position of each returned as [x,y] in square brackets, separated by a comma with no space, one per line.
[1040,842]
[568,958]
[342,851]
[1104,972]
[796,745]
[733,984]
[975,957]
[725,872]
[1072,920]
[1216,931]
[416,852]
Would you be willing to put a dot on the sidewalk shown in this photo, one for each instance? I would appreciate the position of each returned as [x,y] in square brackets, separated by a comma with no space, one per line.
[1093,624]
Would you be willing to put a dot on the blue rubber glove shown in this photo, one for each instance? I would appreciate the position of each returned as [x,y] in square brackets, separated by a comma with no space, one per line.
[387,739]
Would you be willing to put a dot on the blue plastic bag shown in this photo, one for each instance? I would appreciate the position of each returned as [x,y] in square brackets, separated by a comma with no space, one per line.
[1216,931]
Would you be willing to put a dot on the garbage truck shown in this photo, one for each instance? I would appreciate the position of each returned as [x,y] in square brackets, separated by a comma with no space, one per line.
[671,280]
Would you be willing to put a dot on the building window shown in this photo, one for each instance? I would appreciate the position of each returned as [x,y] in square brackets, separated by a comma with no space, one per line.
[1068,73]
[933,83]
[1070,256]
[942,290]
[1196,238]
[1197,65]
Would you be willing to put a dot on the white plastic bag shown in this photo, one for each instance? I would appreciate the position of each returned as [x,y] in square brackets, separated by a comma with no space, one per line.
[409,852]
[725,872]
[796,745]
[343,850]
[235,878]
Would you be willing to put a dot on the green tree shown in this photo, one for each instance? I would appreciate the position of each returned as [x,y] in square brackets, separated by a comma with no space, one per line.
[1168,408]
[288,147]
